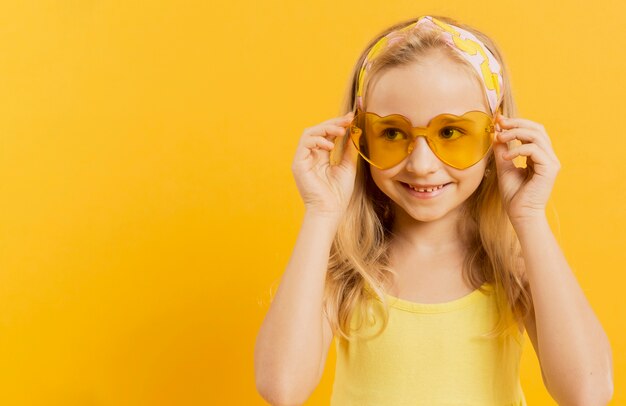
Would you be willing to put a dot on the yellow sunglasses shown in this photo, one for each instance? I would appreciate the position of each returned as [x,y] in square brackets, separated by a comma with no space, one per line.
[458,141]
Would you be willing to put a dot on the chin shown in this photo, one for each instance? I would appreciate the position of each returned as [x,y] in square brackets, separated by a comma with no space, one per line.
[425,215]
[428,218]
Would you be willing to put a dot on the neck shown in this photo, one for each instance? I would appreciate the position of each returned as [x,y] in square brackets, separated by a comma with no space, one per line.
[427,237]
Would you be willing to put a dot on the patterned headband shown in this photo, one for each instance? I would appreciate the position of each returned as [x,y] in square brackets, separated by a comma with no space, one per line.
[462,41]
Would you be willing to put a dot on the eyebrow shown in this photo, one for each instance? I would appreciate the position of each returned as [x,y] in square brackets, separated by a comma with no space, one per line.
[455,120]
[391,118]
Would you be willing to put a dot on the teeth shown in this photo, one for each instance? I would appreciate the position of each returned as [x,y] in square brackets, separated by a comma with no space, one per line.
[426,189]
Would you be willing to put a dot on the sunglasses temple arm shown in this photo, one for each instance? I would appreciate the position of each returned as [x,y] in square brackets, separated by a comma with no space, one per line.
[499,106]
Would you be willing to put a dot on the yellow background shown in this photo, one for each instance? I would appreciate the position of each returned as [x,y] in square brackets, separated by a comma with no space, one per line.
[147,205]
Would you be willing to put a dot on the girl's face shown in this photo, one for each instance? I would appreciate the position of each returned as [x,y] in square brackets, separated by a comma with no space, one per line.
[421,92]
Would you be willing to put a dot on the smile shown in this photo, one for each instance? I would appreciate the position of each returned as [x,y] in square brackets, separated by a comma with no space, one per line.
[428,189]
[425,191]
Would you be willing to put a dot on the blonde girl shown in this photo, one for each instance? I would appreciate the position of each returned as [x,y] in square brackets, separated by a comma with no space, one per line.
[424,249]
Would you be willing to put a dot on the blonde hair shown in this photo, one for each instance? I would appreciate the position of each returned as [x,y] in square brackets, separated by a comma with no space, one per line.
[359,257]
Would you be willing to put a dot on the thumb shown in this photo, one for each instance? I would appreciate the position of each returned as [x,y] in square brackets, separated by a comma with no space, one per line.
[350,153]
[502,165]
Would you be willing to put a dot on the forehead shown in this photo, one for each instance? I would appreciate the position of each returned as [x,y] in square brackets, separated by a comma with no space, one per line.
[423,91]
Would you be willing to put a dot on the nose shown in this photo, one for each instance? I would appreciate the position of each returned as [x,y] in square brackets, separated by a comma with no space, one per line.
[422,160]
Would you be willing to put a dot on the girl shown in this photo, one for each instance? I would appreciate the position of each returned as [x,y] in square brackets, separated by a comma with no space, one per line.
[440,252]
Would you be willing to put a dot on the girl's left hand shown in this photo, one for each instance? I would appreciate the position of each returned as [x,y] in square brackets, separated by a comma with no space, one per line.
[525,191]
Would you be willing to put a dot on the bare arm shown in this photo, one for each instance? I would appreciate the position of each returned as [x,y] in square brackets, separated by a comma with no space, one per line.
[575,351]
[293,340]
[291,344]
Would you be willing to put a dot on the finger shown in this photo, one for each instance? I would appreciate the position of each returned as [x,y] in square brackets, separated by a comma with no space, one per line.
[319,157]
[525,135]
[502,165]
[516,122]
[329,131]
[346,118]
[318,141]
[536,154]
[312,143]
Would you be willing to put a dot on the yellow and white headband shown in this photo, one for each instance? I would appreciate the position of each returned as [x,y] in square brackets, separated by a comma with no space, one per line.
[462,41]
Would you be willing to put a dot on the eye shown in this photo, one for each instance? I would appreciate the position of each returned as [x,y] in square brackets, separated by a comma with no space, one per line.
[392,134]
[450,133]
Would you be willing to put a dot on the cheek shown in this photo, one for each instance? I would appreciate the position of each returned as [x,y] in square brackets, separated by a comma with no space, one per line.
[381,179]
[474,176]
[471,177]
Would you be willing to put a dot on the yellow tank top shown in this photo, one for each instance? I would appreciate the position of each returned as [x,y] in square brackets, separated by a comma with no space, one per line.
[431,354]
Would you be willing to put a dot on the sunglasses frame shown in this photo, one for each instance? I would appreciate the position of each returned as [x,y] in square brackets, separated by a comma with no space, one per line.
[419,132]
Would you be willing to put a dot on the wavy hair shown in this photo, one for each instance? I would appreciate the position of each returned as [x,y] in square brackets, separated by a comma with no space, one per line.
[359,266]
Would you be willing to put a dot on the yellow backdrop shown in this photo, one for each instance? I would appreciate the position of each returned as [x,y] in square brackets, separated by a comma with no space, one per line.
[147,205]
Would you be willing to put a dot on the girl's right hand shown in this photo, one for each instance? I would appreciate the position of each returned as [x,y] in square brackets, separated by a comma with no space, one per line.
[325,189]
